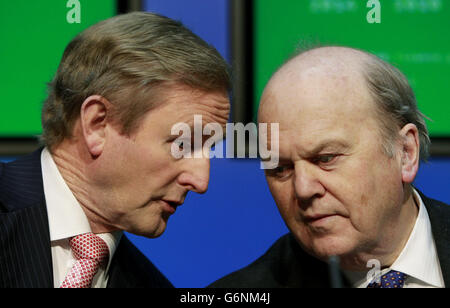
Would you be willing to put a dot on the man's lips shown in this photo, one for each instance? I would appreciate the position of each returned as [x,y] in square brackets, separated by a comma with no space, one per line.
[171,205]
[174,202]
[317,217]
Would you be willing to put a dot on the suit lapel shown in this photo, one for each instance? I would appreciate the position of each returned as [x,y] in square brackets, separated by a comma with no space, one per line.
[25,253]
[131,269]
[439,214]
[120,275]
[25,257]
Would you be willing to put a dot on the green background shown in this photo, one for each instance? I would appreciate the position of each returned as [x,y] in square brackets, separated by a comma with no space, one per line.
[413,35]
[33,35]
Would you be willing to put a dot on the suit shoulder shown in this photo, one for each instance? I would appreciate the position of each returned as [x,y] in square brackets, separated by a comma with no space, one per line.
[436,209]
[21,183]
[441,205]
[268,271]
[135,269]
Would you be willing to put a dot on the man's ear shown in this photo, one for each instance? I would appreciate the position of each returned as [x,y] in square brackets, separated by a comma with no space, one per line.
[93,123]
[410,149]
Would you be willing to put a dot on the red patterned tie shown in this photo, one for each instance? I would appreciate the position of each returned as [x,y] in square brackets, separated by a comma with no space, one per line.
[91,252]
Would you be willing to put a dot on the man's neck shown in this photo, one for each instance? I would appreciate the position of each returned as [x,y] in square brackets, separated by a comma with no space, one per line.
[71,164]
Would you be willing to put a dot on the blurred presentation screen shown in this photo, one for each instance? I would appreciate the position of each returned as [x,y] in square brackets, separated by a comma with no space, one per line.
[411,34]
[33,35]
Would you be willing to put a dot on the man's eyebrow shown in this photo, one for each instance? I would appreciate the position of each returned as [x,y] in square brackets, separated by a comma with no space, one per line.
[332,144]
[213,132]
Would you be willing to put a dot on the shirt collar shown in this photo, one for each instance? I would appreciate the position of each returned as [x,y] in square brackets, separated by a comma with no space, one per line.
[112,240]
[65,216]
[418,258]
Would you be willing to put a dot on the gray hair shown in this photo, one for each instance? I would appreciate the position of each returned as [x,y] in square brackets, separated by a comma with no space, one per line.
[131,60]
[394,98]
[396,103]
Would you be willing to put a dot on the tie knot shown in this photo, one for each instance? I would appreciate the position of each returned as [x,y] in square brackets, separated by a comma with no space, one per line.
[89,246]
[392,279]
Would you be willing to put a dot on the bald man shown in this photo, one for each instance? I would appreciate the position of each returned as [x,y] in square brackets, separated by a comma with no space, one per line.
[350,140]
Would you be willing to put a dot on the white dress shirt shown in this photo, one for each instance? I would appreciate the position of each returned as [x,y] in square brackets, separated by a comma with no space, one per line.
[66,220]
[418,259]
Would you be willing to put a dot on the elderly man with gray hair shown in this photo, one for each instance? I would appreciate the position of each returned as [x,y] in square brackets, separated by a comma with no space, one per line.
[350,140]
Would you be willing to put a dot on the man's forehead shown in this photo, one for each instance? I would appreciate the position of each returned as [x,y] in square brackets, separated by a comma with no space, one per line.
[184,102]
[333,57]
[318,87]
[179,106]
[332,62]
[316,103]
[317,107]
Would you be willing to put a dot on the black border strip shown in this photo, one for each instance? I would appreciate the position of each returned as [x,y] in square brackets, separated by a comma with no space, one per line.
[126,6]
[440,147]
[241,32]
[16,146]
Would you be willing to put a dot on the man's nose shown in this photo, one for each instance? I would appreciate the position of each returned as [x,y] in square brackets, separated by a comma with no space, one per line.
[195,176]
[306,182]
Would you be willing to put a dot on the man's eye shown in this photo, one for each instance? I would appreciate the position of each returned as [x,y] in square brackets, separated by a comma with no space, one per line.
[182,144]
[325,159]
[280,171]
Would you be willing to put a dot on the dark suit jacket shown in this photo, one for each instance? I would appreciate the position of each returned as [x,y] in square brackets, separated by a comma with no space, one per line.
[285,264]
[25,253]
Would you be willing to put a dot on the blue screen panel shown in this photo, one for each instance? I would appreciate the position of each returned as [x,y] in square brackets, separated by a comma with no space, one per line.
[206,18]
[433,179]
[236,221]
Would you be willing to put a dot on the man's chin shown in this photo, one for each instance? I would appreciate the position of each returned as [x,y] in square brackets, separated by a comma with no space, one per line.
[324,247]
[149,232]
